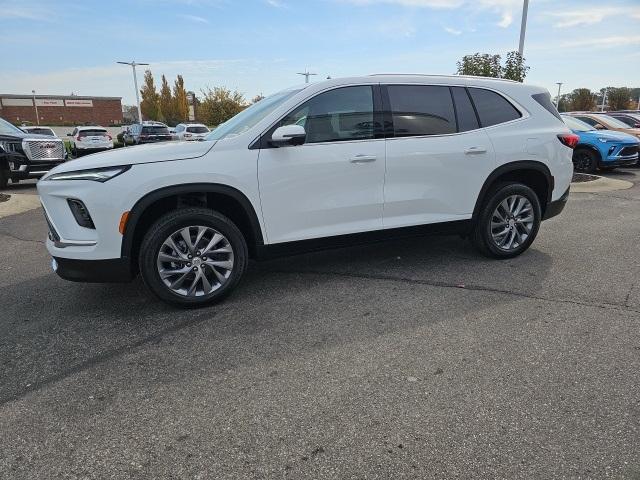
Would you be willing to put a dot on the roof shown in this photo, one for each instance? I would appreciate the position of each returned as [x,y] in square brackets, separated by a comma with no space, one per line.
[90,127]
[57,97]
[452,77]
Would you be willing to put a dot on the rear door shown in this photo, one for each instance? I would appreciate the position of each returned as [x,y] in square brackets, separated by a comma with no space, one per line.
[438,157]
[332,184]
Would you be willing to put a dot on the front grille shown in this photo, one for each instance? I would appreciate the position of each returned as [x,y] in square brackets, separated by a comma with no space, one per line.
[53,235]
[43,149]
[626,151]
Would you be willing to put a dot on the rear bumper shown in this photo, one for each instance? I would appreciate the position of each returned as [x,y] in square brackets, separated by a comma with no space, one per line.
[115,270]
[555,208]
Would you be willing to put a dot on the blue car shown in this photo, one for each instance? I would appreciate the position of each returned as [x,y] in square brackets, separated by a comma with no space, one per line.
[604,149]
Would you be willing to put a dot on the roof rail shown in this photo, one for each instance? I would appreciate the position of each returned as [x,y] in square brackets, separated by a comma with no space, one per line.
[476,77]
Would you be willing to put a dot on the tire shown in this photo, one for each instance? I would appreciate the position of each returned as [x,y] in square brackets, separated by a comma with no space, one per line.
[585,160]
[4,176]
[230,257]
[15,181]
[494,219]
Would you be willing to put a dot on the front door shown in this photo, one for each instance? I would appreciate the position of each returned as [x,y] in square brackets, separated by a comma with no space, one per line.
[333,183]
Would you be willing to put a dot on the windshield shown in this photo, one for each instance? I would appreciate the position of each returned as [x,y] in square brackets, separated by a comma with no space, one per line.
[577,125]
[613,122]
[92,133]
[250,116]
[197,129]
[7,129]
[41,131]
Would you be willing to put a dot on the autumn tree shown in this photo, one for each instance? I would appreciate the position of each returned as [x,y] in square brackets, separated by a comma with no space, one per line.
[581,99]
[220,104]
[618,98]
[180,103]
[167,113]
[150,104]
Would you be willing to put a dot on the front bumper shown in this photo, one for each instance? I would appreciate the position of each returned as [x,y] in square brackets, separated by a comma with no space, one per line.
[116,270]
[555,207]
[25,170]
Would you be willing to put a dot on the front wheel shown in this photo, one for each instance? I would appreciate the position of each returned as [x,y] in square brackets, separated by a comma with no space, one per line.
[508,221]
[193,257]
[585,161]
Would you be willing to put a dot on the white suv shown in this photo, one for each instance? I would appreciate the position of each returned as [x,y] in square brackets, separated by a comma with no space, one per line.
[90,140]
[191,131]
[342,161]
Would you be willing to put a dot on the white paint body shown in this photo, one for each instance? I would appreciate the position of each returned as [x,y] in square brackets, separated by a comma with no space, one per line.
[322,189]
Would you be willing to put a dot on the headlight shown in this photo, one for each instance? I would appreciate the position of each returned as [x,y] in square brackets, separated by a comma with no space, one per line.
[95,174]
[603,140]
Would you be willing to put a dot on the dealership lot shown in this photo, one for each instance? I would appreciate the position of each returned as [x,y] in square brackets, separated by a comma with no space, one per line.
[404,359]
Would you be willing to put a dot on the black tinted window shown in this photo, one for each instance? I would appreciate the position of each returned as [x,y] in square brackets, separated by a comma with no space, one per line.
[544,99]
[465,113]
[92,133]
[197,129]
[588,120]
[421,110]
[492,108]
[338,115]
[155,130]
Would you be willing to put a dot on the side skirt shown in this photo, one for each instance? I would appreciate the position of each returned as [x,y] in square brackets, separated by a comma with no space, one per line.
[266,252]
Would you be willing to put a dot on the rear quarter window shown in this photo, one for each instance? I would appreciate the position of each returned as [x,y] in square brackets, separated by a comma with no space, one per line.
[544,99]
[492,107]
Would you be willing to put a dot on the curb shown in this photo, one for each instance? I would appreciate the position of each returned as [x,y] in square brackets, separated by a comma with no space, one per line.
[600,184]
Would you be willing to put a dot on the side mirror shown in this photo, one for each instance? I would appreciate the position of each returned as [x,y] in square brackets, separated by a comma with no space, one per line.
[599,127]
[289,135]
[636,125]
[69,134]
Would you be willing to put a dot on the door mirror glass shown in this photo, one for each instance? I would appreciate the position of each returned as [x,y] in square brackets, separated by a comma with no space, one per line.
[289,134]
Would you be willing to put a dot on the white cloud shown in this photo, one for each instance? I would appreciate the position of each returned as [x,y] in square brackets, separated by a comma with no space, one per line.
[506,20]
[194,18]
[413,3]
[452,31]
[16,10]
[588,16]
[604,42]
[275,3]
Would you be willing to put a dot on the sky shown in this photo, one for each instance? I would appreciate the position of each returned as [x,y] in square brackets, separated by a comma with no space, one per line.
[258,46]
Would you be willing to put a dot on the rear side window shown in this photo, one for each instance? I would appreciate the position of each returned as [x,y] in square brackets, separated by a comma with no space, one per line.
[92,133]
[492,108]
[467,119]
[421,110]
[544,99]
[155,130]
[197,129]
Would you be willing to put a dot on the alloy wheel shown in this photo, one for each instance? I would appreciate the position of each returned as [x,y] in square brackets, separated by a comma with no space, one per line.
[195,261]
[512,222]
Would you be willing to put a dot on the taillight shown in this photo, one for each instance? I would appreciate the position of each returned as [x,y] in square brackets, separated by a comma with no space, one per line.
[569,139]
[187,135]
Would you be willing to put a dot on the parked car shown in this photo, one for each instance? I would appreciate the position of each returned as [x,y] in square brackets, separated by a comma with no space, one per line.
[38,130]
[632,119]
[90,139]
[148,132]
[27,155]
[376,157]
[191,131]
[604,149]
[601,121]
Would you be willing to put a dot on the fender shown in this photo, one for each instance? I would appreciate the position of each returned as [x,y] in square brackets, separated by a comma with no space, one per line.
[142,204]
[514,167]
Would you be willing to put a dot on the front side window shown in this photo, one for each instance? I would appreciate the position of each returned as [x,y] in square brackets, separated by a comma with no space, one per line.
[421,110]
[492,107]
[588,120]
[613,122]
[337,115]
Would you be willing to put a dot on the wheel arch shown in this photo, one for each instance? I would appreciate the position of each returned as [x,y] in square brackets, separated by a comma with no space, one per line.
[227,200]
[534,174]
[592,148]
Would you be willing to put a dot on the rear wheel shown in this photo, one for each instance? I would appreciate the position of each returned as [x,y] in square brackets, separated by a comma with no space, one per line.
[4,175]
[508,221]
[193,257]
[585,161]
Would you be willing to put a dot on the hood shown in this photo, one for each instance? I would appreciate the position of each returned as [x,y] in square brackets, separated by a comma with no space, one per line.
[149,153]
[607,134]
[22,135]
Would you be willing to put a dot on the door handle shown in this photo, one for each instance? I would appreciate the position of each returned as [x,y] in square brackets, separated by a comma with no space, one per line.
[475,150]
[363,159]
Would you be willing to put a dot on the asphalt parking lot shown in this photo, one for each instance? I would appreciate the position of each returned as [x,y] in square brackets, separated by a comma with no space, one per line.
[405,359]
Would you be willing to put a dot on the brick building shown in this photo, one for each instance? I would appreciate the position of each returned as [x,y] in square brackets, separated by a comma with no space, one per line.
[61,109]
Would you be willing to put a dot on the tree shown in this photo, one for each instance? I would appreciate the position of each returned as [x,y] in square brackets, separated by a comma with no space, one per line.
[486,65]
[480,65]
[581,99]
[514,67]
[219,105]
[619,98]
[150,104]
[166,103]
[180,103]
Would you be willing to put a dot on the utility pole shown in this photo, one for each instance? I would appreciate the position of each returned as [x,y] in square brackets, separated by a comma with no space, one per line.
[558,97]
[306,75]
[133,65]
[35,105]
[604,99]
[523,26]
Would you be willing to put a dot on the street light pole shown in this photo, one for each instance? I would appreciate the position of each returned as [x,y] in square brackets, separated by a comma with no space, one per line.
[306,75]
[35,105]
[604,99]
[133,65]
[523,26]
[558,97]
